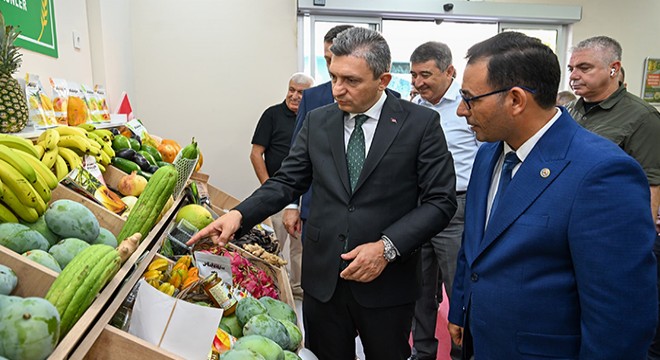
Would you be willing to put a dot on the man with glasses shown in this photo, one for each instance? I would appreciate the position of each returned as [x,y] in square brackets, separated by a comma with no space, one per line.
[433,77]
[556,258]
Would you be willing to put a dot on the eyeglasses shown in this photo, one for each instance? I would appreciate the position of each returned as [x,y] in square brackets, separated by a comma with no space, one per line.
[469,99]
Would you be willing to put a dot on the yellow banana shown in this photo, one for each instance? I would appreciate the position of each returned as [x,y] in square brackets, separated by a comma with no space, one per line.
[6,216]
[18,143]
[49,157]
[61,169]
[18,163]
[40,168]
[12,179]
[101,167]
[103,158]
[105,147]
[48,139]
[72,159]
[104,134]
[25,213]
[40,150]
[87,127]
[75,142]
[158,265]
[42,188]
[71,130]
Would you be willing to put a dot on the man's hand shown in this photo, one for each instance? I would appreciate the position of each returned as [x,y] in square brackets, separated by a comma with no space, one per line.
[367,262]
[221,231]
[292,223]
[456,333]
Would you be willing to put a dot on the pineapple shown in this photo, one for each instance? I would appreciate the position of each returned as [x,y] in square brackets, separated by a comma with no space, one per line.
[13,105]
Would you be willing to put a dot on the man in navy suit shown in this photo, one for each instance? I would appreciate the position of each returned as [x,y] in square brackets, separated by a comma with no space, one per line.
[384,183]
[556,261]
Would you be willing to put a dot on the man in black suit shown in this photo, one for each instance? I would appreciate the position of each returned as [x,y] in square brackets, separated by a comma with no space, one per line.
[360,264]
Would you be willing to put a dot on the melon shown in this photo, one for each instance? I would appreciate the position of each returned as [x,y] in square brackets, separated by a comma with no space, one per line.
[279,309]
[29,328]
[196,215]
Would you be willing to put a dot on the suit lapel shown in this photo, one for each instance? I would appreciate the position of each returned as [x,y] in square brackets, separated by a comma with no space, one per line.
[543,165]
[392,118]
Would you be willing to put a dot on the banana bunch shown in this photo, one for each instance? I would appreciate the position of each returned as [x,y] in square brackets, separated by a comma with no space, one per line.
[62,148]
[25,182]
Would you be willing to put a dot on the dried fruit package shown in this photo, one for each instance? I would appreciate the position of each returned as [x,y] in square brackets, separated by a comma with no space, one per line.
[41,112]
[99,90]
[60,100]
[89,96]
[76,111]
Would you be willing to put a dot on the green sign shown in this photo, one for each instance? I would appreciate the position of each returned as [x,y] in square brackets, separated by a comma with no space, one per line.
[35,19]
[651,86]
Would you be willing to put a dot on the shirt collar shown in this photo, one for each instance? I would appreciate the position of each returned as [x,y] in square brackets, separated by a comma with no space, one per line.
[375,110]
[527,147]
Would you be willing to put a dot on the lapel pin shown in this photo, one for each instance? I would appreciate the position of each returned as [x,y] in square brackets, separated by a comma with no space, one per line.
[545,172]
[393,120]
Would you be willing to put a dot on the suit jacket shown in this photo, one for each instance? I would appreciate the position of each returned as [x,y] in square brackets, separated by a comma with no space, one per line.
[564,269]
[405,191]
[314,98]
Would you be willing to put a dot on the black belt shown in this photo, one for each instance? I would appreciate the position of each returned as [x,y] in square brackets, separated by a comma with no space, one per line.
[460,193]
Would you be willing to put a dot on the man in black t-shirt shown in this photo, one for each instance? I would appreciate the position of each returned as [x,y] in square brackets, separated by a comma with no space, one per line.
[270,145]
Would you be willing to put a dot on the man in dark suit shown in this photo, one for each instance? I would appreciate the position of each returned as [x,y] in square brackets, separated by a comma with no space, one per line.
[556,261]
[360,264]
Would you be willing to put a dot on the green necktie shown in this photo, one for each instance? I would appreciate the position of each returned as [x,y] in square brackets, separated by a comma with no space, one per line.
[355,150]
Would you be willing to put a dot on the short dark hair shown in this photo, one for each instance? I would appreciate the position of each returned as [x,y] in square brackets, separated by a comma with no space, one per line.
[432,50]
[332,33]
[365,44]
[515,59]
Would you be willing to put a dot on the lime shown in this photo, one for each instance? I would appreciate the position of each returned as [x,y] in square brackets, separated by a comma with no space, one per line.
[135,144]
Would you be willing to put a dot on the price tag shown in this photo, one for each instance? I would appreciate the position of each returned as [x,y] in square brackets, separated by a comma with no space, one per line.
[136,127]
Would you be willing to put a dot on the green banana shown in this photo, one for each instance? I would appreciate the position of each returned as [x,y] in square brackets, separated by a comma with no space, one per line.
[16,142]
[6,216]
[41,169]
[18,163]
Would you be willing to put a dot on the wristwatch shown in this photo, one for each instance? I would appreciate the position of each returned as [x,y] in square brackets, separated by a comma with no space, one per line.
[389,252]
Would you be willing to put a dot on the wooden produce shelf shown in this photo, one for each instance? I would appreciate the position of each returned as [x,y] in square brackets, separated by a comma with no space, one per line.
[33,279]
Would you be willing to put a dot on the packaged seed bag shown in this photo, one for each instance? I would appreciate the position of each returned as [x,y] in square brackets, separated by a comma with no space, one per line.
[103,104]
[92,104]
[60,100]
[77,112]
[40,108]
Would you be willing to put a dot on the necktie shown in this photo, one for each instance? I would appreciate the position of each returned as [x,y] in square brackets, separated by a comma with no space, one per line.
[355,150]
[510,161]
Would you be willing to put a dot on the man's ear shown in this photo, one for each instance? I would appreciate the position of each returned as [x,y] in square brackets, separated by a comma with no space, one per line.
[519,99]
[385,79]
[451,71]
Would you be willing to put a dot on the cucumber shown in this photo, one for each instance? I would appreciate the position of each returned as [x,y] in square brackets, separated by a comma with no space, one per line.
[153,151]
[148,156]
[125,165]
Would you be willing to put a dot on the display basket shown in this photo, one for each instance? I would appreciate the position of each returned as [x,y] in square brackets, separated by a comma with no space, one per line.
[185,168]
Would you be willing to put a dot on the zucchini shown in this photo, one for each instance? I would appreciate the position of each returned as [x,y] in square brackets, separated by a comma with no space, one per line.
[125,165]
[145,213]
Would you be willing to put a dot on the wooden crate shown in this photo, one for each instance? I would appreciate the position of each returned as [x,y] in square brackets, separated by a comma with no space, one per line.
[33,279]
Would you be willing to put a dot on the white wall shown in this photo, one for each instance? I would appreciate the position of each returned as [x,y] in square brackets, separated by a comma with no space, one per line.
[72,64]
[208,69]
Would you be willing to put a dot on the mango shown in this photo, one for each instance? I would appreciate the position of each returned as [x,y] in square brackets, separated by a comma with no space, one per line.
[196,215]
[8,280]
[41,227]
[261,345]
[29,328]
[288,355]
[265,325]
[44,259]
[21,238]
[70,219]
[65,250]
[279,309]
[244,354]
[247,308]
[295,335]
[232,324]
[105,237]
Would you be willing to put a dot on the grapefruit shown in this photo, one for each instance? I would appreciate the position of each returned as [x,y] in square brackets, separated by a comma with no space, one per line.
[195,214]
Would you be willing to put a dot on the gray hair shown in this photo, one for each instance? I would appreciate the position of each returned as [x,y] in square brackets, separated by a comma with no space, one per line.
[301,79]
[432,50]
[609,49]
[365,44]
